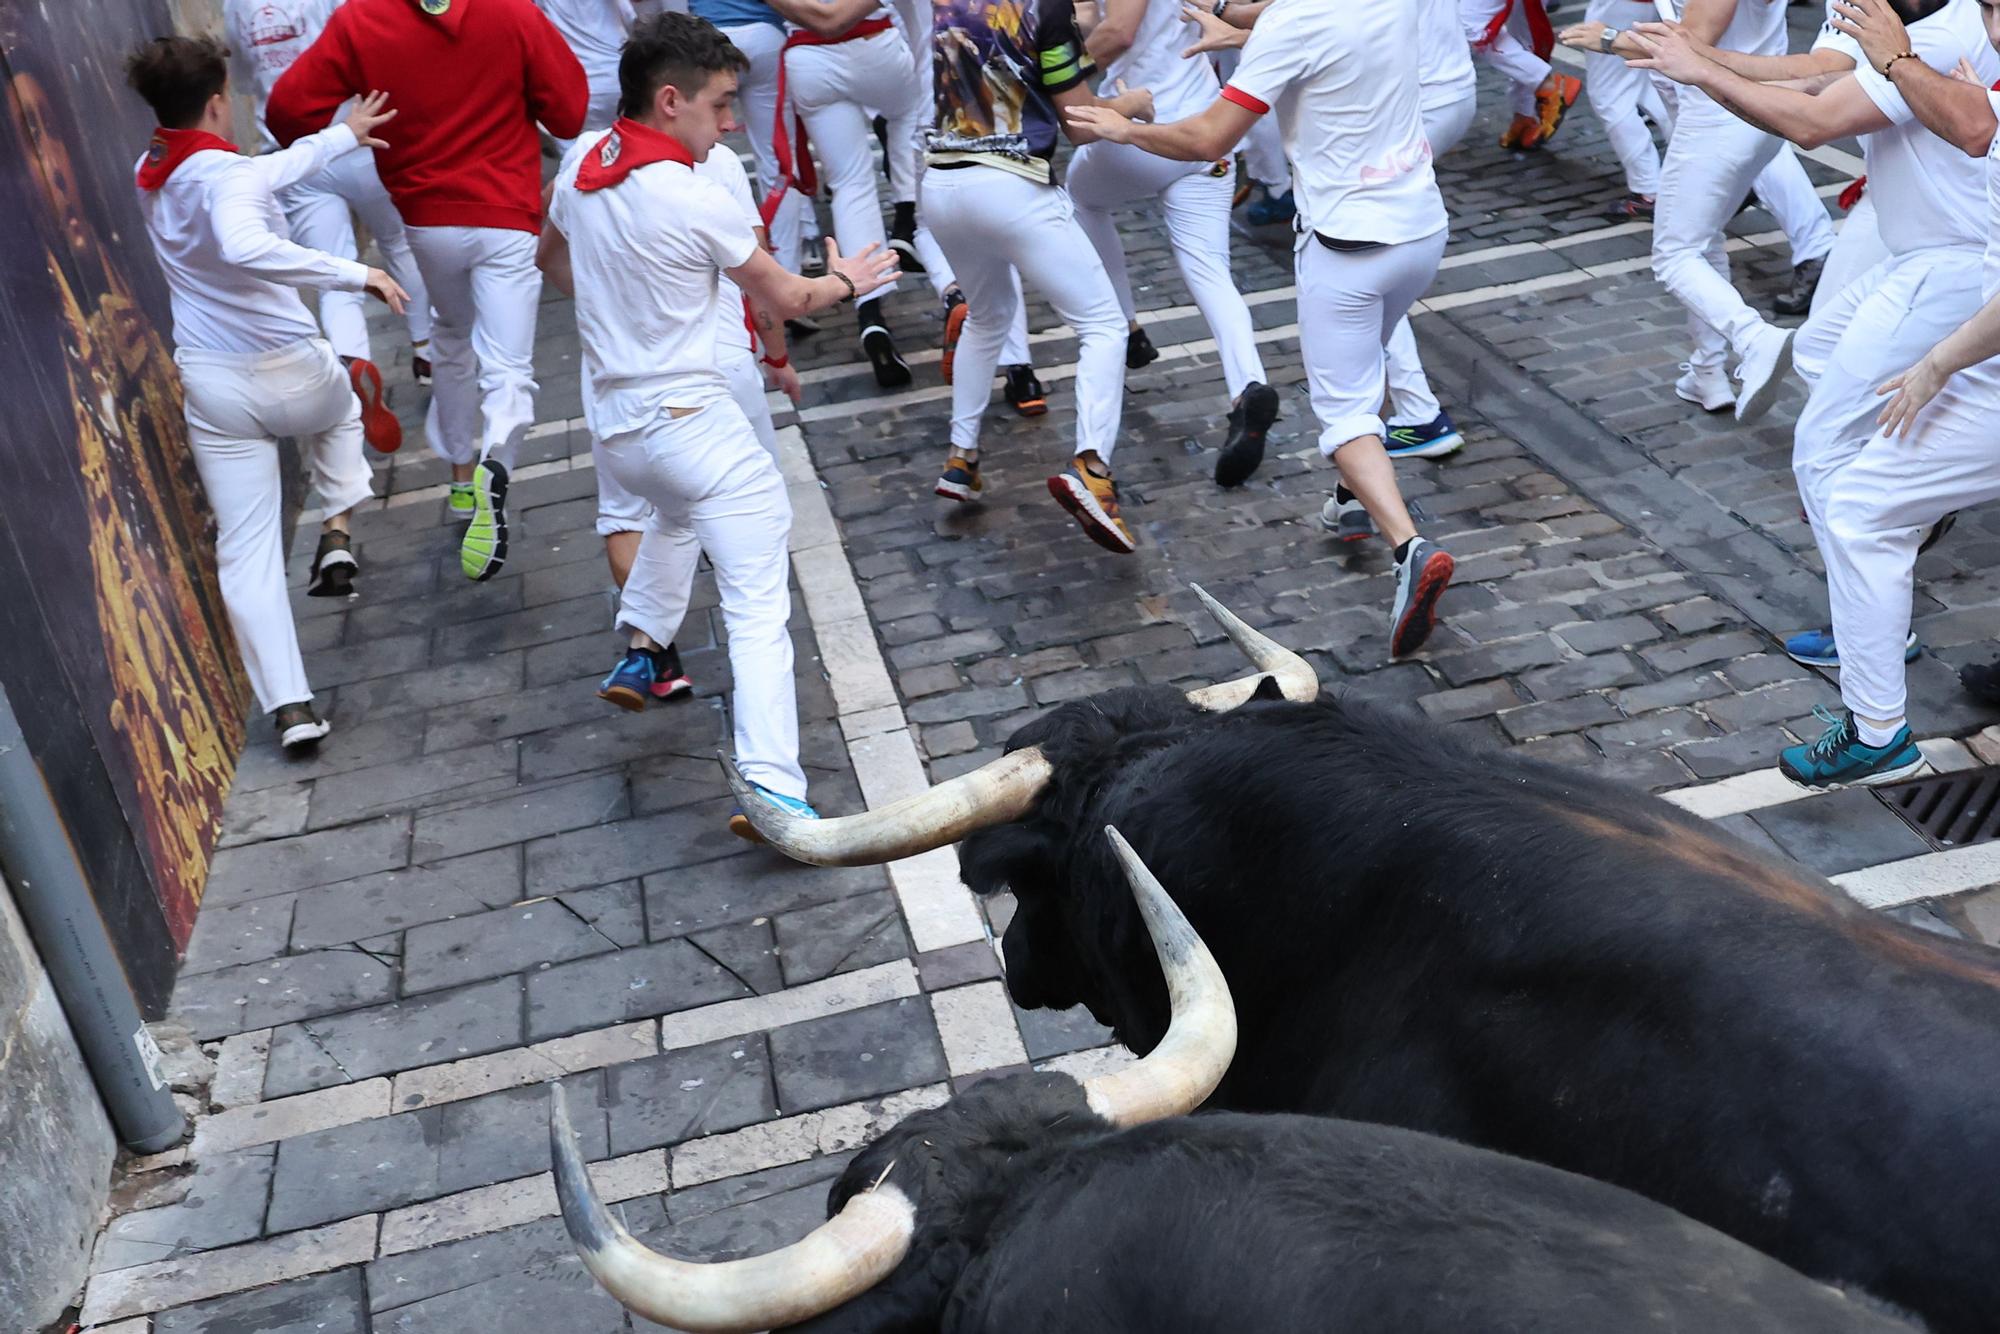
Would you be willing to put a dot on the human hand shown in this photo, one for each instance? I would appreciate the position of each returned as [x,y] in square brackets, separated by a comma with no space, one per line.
[1133,103]
[784,379]
[1913,389]
[1964,73]
[1101,121]
[869,268]
[386,290]
[1873,24]
[368,113]
[1582,36]
[1669,51]
[1212,34]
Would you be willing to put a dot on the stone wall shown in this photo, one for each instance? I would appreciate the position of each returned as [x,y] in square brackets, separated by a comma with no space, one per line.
[56,1145]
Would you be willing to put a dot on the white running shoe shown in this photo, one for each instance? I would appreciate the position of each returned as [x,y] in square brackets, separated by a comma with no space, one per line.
[1761,373]
[1707,386]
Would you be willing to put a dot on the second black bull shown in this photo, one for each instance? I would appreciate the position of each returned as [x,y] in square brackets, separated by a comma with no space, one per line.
[1511,955]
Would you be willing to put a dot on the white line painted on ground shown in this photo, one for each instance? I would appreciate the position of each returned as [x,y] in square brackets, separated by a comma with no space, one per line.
[1934,875]
[142,1289]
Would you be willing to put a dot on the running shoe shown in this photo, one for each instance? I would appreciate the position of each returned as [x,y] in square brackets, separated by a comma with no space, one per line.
[1553,100]
[1244,186]
[1761,373]
[796,807]
[891,371]
[1250,418]
[1632,208]
[460,504]
[1429,440]
[1346,519]
[1982,681]
[1841,759]
[1707,386]
[1421,576]
[1092,501]
[1272,209]
[1798,298]
[1025,393]
[1139,350]
[379,426]
[903,238]
[420,369]
[960,479]
[299,728]
[670,679]
[1815,648]
[1521,132]
[483,550]
[333,568]
[631,682]
[955,311]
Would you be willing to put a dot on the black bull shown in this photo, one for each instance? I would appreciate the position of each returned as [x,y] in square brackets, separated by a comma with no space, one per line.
[1521,958]
[1033,1215]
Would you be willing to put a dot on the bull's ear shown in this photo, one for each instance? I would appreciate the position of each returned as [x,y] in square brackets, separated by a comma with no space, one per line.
[1268,688]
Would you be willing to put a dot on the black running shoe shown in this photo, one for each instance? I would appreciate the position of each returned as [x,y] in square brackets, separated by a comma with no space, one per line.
[333,568]
[299,728]
[1250,419]
[670,679]
[1805,281]
[1139,350]
[903,238]
[891,371]
[1025,392]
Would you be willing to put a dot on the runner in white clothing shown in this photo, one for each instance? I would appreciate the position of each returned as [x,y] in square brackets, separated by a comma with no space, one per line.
[268,35]
[642,241]
[595,31]
[1343,80]
[1541,95]
[1138,43]
[253,365]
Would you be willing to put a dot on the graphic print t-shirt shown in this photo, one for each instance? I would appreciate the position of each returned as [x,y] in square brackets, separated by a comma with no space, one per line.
[999,65]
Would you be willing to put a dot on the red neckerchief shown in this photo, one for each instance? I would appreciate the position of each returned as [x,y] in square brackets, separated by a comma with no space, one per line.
[628,147]
[170,148]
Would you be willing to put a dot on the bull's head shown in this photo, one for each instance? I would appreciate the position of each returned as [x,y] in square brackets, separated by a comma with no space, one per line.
[863,1243]
[995,793]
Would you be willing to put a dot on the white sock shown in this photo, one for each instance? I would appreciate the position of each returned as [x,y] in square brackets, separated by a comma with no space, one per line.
[1873,735]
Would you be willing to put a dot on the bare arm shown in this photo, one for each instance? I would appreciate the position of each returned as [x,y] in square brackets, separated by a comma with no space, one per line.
[1207,137]
[787,295]
[1976,340]
[1704,21]
[1128,104]
[552,255]
[1808,120]
[828,18]
[1115,30]
[1953,109]
[1777,69]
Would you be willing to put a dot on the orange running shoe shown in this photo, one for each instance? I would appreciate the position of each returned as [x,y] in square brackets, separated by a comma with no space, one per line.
[379,426]
[954,324]
[1091,497]
[1553,100]
[1521,132]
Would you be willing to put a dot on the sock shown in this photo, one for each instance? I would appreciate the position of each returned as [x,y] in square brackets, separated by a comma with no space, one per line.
[1403,551]
[868,313]
[1872,735]
[905,223]
[1342,495]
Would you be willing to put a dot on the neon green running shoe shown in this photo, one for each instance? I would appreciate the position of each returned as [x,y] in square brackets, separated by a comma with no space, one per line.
[461,500]
[484,549]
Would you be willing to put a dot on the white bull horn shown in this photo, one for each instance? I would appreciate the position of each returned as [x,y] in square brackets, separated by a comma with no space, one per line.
[995,793]
[836,1262]
[1179,1074]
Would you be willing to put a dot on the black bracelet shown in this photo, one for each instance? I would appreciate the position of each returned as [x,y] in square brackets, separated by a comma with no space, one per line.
[846,281]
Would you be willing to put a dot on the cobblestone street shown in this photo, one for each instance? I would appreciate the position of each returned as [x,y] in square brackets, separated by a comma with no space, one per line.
[488,879]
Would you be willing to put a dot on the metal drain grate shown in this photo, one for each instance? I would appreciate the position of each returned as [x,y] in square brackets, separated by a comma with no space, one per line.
[1952,810]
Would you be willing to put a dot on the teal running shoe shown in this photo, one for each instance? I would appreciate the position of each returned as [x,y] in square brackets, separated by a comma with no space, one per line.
[1841,759]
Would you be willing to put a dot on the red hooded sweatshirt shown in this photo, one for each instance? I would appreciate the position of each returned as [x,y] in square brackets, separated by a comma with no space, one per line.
[468,85]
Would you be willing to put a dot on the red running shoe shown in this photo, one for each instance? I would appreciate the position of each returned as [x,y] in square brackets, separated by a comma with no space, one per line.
[379,426]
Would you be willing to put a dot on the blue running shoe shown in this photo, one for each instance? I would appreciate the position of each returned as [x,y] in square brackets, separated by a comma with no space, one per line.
[796,807]
[1431,440]
[1840,759]
[631,681]
[1272,209]
[1814,648]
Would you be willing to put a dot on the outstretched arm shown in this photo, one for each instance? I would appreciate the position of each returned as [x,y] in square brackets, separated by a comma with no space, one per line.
[787,295]
[1807,119]
[1955,110]
[1207,137]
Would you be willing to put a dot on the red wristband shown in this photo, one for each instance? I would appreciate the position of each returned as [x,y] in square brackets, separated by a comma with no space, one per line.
[778,364]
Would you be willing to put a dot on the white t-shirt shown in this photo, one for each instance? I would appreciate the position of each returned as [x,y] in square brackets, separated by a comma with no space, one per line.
[647,257]
[1444,69]
[268,35]
[1990,284]
[1830,38]
[1757,28]
[1935,190]
[595,30]
[732,335]
[1180,88]
[1343,80]
[230,261]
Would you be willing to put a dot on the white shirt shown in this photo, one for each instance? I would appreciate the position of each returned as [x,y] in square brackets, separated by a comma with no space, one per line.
[723,167]
[1343,80]
[1444,63]
[646,257]
[229,258]
[594,29]
[1180,88]
[1830,38]
[268,35]
[1990,284]
[1935,192]
[1757,28]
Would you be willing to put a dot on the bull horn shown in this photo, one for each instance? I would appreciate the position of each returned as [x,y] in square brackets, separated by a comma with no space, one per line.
[836,1262]
[1176,1076]
[1004,790]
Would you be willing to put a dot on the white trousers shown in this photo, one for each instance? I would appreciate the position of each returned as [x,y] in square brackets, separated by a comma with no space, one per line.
[988,220]
[1857,249]
[1876,508]
[619,510]
[1104,176]
[317,211]
[1522,67]
[1349,303]
[832,87]
[1618,93]
[1411,402]
[757,95]
[237,406]
[486,292]
[714,490]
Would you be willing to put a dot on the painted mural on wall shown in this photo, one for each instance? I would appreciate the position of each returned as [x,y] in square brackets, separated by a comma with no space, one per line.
[99,498]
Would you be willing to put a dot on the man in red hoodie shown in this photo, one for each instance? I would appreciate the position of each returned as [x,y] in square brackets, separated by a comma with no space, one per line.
[471,79]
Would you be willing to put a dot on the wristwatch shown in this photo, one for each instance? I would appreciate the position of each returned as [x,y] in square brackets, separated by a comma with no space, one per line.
[1605,39]
[1220,5]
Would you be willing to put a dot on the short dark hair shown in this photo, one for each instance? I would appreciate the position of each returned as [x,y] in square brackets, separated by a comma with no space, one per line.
[177,76]
[671,48]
